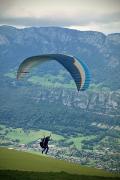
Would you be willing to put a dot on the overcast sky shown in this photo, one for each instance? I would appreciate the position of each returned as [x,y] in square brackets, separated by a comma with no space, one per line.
[98,15]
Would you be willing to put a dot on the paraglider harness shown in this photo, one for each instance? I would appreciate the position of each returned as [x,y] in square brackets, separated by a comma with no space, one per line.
[43,142]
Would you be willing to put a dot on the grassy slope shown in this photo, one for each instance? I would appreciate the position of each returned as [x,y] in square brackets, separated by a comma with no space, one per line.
[16,160]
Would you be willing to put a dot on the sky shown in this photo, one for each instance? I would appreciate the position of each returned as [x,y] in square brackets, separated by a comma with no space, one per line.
[96,15]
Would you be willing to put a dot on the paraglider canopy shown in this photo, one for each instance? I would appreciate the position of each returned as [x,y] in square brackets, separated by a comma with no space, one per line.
[78,70]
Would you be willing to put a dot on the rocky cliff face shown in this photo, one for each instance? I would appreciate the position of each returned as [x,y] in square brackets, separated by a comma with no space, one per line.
[38,106]
[100,101]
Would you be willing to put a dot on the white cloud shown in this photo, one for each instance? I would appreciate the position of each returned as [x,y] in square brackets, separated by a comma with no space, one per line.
[106,28]
[100,15]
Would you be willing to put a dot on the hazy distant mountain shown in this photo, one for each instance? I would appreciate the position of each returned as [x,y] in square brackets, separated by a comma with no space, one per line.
[100,52]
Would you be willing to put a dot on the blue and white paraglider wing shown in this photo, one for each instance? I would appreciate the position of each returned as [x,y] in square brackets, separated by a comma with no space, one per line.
[78,70]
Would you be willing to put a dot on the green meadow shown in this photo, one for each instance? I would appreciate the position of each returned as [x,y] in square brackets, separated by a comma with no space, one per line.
[47,80]
[51,81]
[27,136]
[78,140]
